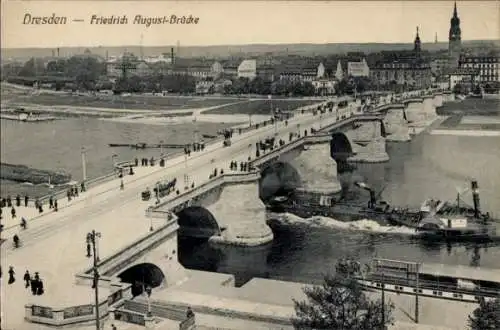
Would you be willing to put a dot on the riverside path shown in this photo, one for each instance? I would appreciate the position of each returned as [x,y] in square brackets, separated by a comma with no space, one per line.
[54,245]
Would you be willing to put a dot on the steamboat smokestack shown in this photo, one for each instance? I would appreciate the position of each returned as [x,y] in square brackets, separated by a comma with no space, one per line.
[172,55]
[475,198]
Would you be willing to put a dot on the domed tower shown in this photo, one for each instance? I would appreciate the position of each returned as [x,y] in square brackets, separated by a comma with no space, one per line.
[455,38]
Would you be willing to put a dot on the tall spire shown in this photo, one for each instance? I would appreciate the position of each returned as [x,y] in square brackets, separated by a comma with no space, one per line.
[455,14]
[417,44]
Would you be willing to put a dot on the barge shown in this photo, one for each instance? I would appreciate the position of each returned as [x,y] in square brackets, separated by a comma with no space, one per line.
[25,116]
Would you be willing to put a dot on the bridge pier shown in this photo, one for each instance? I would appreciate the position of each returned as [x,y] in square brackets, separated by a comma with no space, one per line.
[316,168]
[243,215]
[438,100]
[368,144]
[396,125]
[429,107]
[415,112]
[448,97]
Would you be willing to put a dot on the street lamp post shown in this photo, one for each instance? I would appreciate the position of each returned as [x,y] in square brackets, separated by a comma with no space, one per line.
[93,237]
[148,293]
[84,165]
[113,159]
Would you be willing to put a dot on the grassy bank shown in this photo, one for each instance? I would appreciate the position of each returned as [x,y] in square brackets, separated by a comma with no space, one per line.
[470,107]
[120,102]
[261,107]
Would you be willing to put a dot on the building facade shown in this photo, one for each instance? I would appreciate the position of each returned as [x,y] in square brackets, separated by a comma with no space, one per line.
[358,69]
[247,69]
[487,66]
[408,70]
[466,77]
[303,72]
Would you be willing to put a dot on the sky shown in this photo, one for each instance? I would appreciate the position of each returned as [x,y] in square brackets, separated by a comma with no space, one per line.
[247,22]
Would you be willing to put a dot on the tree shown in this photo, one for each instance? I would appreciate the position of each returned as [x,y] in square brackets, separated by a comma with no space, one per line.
[340,303]
[486,316]
[29,68]
[458,89]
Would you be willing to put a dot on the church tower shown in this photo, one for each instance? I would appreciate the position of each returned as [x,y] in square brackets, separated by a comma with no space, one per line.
[454,38]
[417,45]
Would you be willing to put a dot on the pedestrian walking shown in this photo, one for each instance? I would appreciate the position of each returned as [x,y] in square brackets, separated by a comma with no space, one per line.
[26,199]
[24,223]
[68,193]
[51,202]
[33,284]
[13,212]
[27,279]
[113,327]
[76,191]
[18,200]
[12,279]
[55,205]
[39,288]
[82,187]
[37,276]
[9,201]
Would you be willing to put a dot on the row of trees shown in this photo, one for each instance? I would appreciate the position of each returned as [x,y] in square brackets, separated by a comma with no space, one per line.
[340,303]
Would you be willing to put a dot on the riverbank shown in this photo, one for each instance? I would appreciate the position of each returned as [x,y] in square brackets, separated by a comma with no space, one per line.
[25,174]
[271,301]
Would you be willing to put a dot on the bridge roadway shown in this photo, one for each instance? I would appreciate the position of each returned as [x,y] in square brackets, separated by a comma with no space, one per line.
[55,246]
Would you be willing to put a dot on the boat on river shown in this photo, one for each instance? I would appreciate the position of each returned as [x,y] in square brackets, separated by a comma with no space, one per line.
[434,220]
[26,116]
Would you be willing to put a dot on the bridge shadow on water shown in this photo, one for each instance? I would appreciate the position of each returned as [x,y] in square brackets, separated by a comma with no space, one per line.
[244,263]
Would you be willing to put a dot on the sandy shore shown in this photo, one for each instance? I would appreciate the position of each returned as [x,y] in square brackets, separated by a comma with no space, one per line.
[464,132]
[480,120]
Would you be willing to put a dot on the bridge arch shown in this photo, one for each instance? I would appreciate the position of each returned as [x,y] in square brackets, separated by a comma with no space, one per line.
[197,221]
[340,146]
[141,276]
[278,179]
[383,131]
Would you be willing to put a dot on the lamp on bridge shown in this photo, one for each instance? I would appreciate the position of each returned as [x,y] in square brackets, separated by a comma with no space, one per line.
[161,148]
[93,237]
[84,165]
[113,157]
[148,291]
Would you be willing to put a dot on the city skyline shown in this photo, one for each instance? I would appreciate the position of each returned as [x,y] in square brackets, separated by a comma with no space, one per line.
[243,23]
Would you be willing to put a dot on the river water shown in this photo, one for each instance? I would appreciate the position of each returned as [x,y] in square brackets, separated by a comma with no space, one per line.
[428,166]
[57,145]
